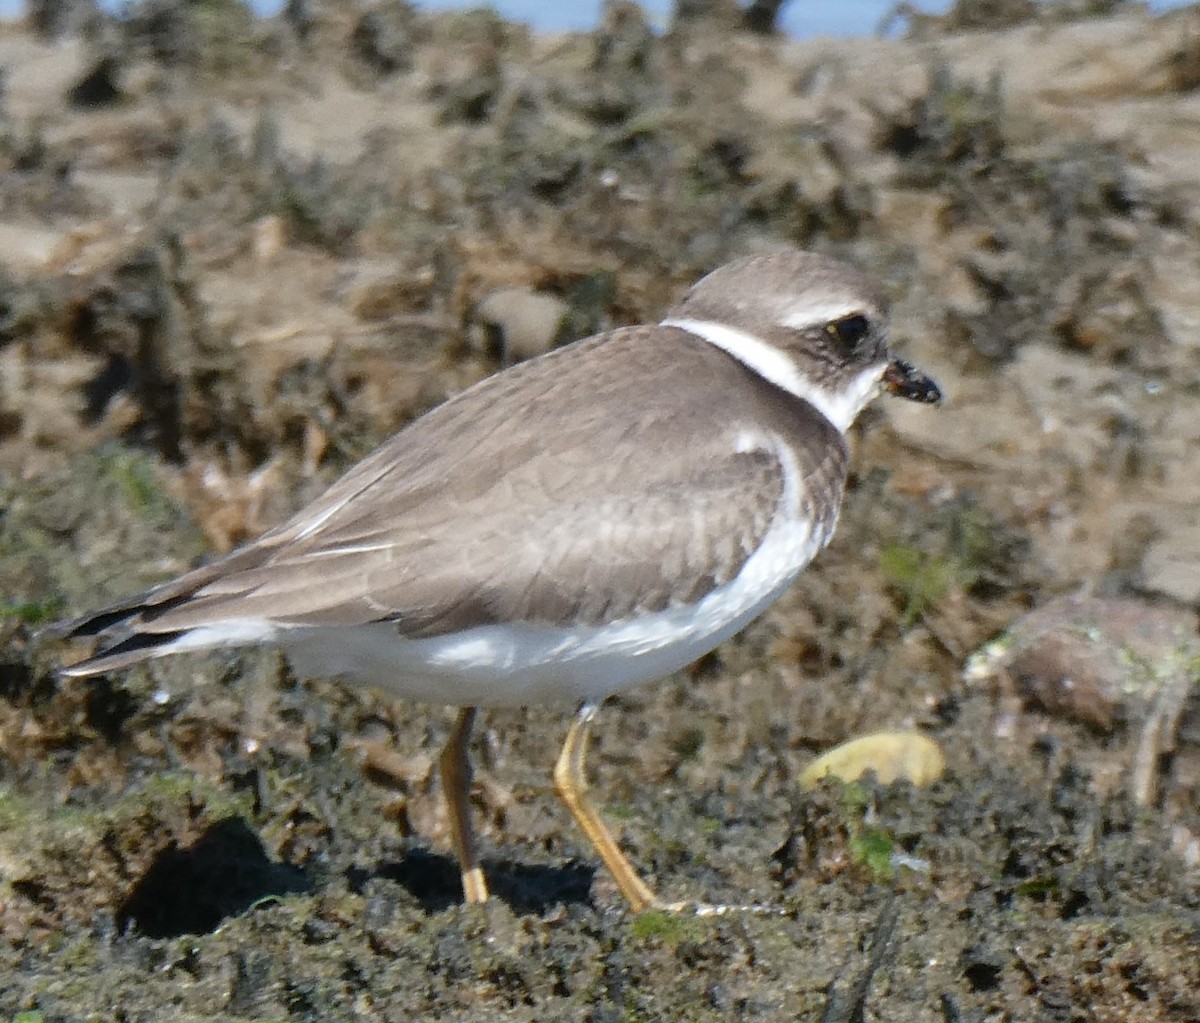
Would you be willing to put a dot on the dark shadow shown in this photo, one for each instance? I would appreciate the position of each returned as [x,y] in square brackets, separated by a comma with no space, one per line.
[190,891]
[538,888]
[434,881]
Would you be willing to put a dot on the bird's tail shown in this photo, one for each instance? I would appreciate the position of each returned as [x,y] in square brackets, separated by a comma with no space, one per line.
[125,633]
[130,631]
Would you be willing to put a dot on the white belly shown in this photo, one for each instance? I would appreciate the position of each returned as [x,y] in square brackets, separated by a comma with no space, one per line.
[520,664]
[517,665]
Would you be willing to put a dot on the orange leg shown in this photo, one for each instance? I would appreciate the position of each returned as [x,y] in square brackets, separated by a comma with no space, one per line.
[456,783]
[570,781]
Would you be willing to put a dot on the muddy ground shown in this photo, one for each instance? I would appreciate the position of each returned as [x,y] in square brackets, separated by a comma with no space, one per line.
[235,254]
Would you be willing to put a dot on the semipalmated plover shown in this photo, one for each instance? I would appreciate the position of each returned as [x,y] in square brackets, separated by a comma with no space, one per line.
[595,518]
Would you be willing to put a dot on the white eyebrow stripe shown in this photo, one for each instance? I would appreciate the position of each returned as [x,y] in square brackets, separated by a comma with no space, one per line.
[818,315]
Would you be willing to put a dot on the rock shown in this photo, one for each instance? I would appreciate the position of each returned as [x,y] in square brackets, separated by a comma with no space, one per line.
[268,237]
[469,92]
[761,16]
[386,38]
[30,249]
[517,324]
[715,14]
[123,194]
[1093,659]
[52,20]
[1172,565]
[1103,662]
[376,290]
[167,29]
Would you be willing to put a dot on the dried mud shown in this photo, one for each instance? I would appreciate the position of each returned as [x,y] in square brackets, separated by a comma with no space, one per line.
[235,254]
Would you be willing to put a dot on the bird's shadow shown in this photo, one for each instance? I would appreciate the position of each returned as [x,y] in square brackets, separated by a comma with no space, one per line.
[191,889]
[435,882]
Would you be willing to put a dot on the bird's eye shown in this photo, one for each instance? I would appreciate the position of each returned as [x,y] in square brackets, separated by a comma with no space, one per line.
[849,330]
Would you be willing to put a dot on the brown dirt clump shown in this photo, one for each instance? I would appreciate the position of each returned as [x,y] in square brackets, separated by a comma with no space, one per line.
[235,254]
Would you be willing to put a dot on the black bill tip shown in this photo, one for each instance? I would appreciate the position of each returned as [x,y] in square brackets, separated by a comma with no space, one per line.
[906,381]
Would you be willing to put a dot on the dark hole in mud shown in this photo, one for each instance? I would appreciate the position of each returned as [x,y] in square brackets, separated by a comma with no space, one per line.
[1074,904]
[35,893]
[115,376]
[99,87]
[108,708]
[190,891]
[553,180]
[434,881]
[14,678]
[983,974]
[901,138]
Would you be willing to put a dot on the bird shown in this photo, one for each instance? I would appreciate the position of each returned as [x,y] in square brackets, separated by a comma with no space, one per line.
[595,518]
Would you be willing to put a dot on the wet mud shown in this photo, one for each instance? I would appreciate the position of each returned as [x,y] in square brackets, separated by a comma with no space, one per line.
[236,254]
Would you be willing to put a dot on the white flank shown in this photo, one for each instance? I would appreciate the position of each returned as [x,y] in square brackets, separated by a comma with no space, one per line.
[840,407]
[235,632]
[520,664]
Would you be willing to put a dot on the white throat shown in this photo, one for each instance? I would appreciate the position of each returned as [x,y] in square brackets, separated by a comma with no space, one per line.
[840,407]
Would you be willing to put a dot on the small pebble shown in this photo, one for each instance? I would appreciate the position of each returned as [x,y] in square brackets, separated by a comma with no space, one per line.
[518,324]
[1100,661]
[893,756]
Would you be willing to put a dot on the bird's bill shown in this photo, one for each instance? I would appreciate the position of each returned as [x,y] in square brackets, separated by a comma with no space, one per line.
[906,381]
